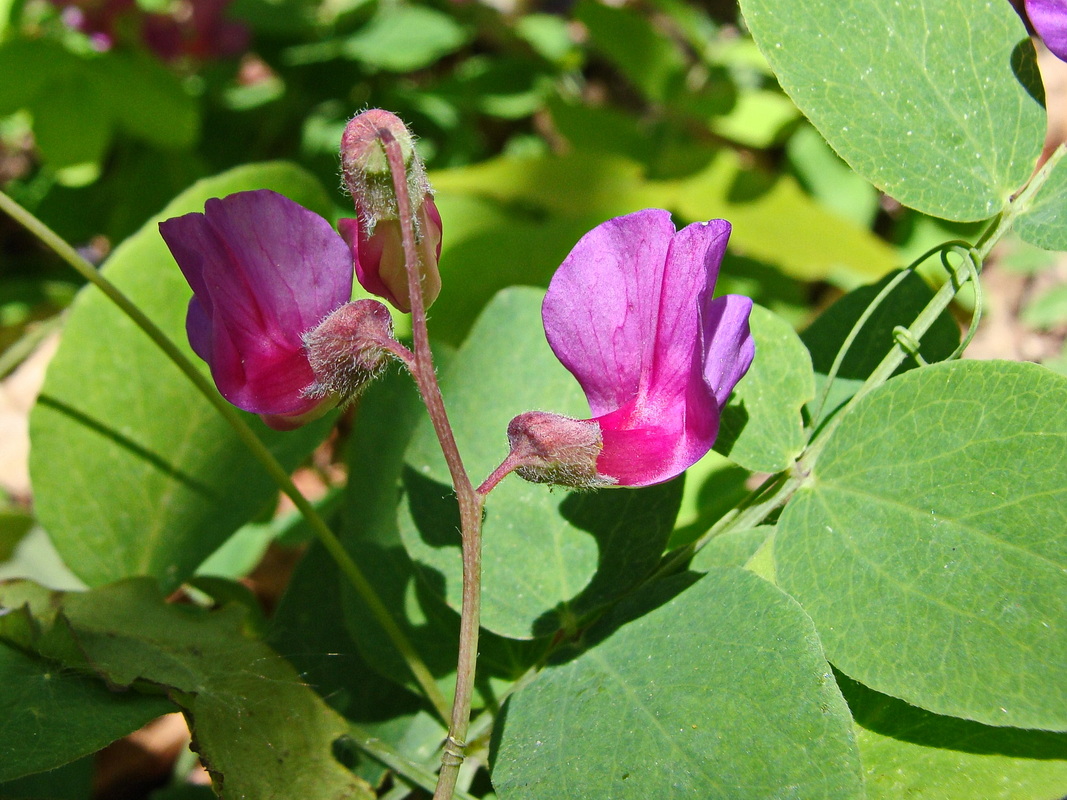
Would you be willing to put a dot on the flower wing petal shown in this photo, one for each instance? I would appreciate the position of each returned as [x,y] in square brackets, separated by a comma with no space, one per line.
[728,344]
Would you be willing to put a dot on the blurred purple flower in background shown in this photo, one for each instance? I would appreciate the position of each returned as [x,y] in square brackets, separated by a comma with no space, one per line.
[197,29]
[630,313]
[1049,18]
[264,271]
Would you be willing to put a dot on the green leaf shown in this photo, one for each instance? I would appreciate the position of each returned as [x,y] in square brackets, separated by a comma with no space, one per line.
[36,62]
[472,269]
[774,220]
[589,547]
[759,119]
[404,38]
[762,428]
[720,691]
[50,716]
[147,100]
[71,782]
[134,472]
[908,752]
[319,646]
[936,102]
[731,549]
[258,728]
[825,336]
[646,57]
[928,546]
[72,122]
[1047,309]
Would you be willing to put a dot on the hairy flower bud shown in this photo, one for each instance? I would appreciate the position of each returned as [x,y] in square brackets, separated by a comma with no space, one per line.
[375,238]
[550,448]
[365,166]
[348,349]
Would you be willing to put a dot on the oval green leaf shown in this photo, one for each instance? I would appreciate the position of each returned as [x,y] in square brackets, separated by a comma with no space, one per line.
[719,692]
[49,716]
[929,548]
[936,102]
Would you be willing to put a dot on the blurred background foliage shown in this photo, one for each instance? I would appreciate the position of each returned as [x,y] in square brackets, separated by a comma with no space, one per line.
[537,120]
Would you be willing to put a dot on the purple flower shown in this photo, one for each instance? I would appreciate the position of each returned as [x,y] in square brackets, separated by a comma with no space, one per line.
[630,313]
[1049,18]
[264,271]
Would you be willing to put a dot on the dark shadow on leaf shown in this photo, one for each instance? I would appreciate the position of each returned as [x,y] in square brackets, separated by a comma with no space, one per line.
[433,508]
[1024,65]
[888,716]
[732,422]
[127,444]
[630,608]
[825,336]
[630,526]
[721,491]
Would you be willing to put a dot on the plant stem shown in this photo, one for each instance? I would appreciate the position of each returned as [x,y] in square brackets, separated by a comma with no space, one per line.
[404,767]
[245,433]
[470,502]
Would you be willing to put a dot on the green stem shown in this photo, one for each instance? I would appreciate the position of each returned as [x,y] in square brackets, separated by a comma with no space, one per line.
[245,433]
[405,768]
[470,502]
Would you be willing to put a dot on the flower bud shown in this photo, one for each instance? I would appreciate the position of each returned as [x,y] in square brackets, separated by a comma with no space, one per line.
[376,238]
[379,257]
[365,166]
[550,448]
[348,349]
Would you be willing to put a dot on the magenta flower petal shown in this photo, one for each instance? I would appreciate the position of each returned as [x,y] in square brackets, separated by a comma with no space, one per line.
[264,270]
[1049,18]
[630,314]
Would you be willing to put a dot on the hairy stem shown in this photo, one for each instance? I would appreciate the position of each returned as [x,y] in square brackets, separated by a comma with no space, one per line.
[248,437]
[470,502]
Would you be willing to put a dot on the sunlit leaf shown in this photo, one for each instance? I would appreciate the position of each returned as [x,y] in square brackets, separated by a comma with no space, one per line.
[718,692]
[928,548]
[936,102]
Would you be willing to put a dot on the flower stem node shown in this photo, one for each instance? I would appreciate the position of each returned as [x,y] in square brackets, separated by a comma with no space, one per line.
[550,448]
[349,349]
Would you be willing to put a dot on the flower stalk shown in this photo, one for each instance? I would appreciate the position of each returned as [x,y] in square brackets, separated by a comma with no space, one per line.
[470,502]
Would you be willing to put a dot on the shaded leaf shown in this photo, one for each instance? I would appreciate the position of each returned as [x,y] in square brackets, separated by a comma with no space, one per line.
[50,716]
[908,752]
[762,428]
